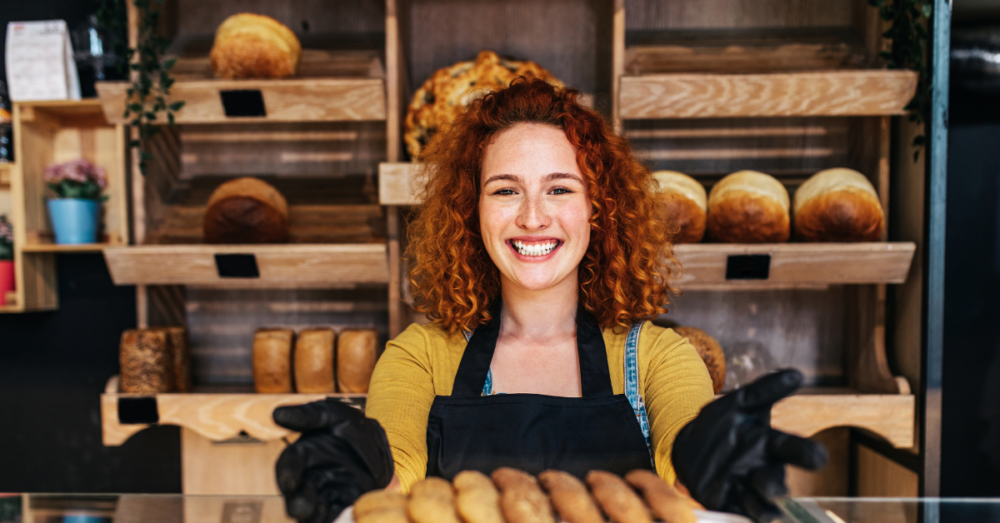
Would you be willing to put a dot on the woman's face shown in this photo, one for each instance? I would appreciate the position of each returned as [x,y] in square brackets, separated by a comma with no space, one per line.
[533,210]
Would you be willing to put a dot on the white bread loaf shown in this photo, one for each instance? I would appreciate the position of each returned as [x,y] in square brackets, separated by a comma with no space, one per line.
[356,352]
[272,361]
[683,204]
[838,205]
[748,207]
[314,361]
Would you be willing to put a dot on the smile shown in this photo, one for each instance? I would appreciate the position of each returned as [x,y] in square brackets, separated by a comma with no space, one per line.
[535,249]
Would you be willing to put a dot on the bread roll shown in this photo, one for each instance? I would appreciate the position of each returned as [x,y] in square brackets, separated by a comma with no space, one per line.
[838,205]
[521,499]
[272,361]
[249,45]
[667,504]
[180,348]
[432,500]
[682,203]
[356,351]
[710,351]
[477,498]
[246,210]
[147,362]
[617,498]
[314,361]
[748,207]
[380,506]
[570,498]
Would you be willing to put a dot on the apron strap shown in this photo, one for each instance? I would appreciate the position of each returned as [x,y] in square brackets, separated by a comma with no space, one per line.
[477,357]
[632,384]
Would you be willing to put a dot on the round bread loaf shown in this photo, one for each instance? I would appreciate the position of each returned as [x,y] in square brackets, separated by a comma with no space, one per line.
[748,207]
[682,203]
[246,210]
[838,205]
[446,93]
[710,351]
[249,45]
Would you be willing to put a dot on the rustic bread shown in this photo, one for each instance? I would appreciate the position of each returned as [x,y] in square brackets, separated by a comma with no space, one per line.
[272,361]
[314,361]
[748,207]
[710,351]
[249,45]
[446,93]
[180,348]
[246,210]
[683,204]
[147,362]
[356,353]
[838,205]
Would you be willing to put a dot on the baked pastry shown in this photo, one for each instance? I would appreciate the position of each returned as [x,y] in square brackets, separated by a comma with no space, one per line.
[521,499]
[682,204]
[356,351]
[748,207]
[445,94]
[314,361]
[272,361]
[249,45]
[147,362]
[379,506]
[710,351]
[246,210]
[476,498]
[667,504]
[838,205]
[570,497]
[432,500]
[180,347]
[617,498]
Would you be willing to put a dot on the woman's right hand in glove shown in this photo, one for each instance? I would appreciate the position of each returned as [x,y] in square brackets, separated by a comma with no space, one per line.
[340,455]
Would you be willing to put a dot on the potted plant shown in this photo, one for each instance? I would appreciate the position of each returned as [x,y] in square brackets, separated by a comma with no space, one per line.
[6,258]
[75,211]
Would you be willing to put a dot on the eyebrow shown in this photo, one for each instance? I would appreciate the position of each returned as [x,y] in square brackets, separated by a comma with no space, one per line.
[548,178]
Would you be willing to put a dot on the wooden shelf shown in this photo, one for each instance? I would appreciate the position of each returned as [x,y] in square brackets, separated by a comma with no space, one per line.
[279,265]
[218,416]
[221,416]
[6,169]
[70,248]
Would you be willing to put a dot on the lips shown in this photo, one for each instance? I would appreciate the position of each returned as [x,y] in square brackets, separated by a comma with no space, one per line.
[535,248]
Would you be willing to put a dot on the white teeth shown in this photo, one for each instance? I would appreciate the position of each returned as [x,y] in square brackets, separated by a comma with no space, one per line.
[534,249]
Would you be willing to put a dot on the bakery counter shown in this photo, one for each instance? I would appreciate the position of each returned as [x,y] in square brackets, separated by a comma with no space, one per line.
[135,508]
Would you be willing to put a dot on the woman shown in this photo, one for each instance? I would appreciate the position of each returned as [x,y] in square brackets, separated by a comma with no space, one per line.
[538,258]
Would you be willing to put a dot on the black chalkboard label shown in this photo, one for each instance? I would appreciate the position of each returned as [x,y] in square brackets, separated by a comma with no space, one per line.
[138,411]
[236,266]
[243,103]
[748,266]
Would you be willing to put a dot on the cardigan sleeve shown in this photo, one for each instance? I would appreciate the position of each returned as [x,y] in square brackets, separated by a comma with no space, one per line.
[676,386]
[400,398]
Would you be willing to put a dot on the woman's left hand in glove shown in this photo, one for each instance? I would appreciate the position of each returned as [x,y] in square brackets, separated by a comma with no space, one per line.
[730,459]
[340,456]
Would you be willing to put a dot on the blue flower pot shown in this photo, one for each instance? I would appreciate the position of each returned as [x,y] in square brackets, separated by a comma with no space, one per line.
[74,220]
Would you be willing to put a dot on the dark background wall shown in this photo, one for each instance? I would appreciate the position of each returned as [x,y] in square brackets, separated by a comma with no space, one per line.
[54,365]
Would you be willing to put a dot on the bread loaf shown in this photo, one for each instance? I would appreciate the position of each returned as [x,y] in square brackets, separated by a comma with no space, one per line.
[710,351]
[314,361]
[180,348]
[682,203]
[272,361]
[748,207]
[246,210]
[356,351]
[838,205]
[249,45]
[147,362]
[446,93]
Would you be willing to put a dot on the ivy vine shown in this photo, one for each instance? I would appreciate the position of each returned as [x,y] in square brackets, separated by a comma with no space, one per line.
[909,37]
[149,94]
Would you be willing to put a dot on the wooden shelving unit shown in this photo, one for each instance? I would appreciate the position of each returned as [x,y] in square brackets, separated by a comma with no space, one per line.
[5,173]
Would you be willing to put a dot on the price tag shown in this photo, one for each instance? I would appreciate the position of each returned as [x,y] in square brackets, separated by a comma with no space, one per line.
[138,411]
[243,103]
[236,266]
[748,266]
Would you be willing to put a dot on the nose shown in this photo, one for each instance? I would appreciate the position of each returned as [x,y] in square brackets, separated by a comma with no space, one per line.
[533,215]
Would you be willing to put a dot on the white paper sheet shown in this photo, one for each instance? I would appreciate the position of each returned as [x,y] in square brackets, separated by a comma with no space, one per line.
[40,62]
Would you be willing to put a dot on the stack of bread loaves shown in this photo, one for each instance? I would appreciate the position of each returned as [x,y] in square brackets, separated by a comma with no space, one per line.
[316,362]
[249,45]
[155,360]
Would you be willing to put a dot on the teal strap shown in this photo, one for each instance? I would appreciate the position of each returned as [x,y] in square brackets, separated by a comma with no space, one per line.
[632,385]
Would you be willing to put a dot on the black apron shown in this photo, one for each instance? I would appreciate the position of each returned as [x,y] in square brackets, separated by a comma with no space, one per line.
[532,432]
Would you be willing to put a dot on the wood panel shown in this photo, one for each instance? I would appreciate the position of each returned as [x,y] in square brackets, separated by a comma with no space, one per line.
[5,170]
[880,477]
[888,415]
[831,480]
[242,466]
[399,183]
[278,265]
[830,93]
[735,14]
[289,100]
[229,508]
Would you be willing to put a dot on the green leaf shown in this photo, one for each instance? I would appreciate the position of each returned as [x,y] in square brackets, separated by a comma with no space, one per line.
[176,106]
[170,118]
[134,143]
[919,139]
[927,9]
[146,156]
[169,64]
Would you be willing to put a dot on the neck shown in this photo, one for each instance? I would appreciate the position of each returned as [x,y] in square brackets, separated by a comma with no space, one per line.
[539,315]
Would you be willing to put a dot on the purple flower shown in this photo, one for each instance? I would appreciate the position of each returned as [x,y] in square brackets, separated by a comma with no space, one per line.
[80,171]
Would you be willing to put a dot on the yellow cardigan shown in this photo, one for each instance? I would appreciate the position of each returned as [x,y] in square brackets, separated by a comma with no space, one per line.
[422,362]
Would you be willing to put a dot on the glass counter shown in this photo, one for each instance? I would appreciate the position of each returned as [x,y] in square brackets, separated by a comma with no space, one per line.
[177,508]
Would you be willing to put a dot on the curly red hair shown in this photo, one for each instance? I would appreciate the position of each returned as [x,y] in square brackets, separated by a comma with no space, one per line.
[625,273]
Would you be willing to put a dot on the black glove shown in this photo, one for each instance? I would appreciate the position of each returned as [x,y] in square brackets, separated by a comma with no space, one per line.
[340,456]
[732,461]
